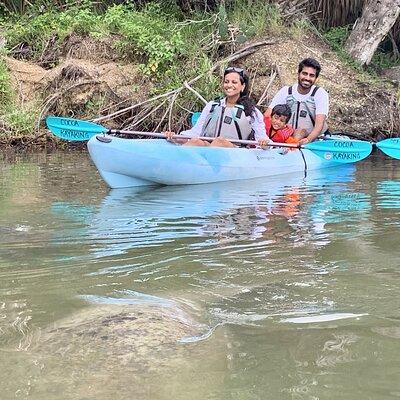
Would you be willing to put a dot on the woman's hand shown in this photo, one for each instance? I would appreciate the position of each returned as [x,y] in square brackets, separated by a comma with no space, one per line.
[169,135]
[263,143]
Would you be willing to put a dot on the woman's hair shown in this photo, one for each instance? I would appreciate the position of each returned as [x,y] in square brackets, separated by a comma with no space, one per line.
[244,98]
[282,109]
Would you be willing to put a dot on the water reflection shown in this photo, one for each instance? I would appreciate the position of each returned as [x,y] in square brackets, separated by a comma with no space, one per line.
[388,194]
[221,240]
[223,214]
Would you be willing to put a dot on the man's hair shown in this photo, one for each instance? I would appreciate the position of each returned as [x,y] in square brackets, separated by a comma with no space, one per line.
[310,62]
[282,109]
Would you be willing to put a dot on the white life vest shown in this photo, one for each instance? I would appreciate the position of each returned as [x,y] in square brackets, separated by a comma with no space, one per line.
[303,112]
[228,122]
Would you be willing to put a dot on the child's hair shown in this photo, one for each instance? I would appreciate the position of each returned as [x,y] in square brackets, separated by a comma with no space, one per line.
[282,109]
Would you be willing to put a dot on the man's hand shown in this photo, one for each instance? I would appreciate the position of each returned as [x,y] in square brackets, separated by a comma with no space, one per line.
[304,141]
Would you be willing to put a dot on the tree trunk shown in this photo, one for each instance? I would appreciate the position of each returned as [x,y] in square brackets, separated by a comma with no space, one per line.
[377,19]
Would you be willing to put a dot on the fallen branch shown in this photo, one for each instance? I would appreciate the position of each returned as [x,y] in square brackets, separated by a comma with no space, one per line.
[187,86]
[265,92]
[56,96]
[135,123]
[245,51]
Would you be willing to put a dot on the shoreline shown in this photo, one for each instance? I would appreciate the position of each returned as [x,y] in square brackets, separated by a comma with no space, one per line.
[45,141]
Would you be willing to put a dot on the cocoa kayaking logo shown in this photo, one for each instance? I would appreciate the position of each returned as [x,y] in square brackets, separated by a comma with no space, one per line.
[346,155]
[343,144]
[69,122]
[69,134]
[259,158]
[73,133]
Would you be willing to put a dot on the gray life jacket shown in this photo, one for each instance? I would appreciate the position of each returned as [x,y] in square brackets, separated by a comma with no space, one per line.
[303,112]
[228,122]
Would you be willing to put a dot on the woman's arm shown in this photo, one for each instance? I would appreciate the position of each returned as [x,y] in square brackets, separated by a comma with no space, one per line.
[196,130]
[258,125]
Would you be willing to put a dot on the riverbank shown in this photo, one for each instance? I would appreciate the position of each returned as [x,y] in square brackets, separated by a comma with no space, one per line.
[85,75]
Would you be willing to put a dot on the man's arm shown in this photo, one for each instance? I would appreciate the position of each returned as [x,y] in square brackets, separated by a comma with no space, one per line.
[322,110]
[319,125]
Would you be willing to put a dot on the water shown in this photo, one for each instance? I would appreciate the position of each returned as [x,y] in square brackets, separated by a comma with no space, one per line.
[281,288]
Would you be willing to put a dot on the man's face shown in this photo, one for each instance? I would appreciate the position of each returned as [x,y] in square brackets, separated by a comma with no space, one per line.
[307,77]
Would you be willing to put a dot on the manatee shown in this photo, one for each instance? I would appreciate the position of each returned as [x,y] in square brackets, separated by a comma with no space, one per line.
[105,350]
[139,337]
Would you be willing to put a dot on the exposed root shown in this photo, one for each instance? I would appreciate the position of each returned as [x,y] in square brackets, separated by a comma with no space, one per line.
[166,120]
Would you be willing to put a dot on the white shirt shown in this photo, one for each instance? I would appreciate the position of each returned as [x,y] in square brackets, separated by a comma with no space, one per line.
[321,98]
[256,120]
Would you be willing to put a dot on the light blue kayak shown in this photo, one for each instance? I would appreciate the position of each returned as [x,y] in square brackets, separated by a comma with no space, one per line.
[140,162]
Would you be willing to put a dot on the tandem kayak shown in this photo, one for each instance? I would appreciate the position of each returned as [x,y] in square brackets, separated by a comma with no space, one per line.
[139,162]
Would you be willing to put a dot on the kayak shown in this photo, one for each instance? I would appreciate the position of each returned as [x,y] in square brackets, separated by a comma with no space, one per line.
[142,162]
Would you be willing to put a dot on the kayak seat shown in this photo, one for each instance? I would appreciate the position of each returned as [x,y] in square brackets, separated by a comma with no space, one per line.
[194,118]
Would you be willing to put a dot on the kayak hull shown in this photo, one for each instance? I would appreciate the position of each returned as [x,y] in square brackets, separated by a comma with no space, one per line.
[141,162]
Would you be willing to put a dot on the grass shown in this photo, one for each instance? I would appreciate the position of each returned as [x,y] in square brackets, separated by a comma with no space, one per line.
[16,120]
[169,47]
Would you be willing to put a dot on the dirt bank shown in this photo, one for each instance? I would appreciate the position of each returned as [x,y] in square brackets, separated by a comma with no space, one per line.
[87,82]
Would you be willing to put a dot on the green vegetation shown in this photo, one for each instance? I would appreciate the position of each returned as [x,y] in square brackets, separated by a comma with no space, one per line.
[155,34]
[12,118]
[169,47]
[337,37]
[5,86]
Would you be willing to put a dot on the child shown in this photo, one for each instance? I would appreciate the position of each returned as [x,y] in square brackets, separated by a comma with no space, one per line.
[276,126]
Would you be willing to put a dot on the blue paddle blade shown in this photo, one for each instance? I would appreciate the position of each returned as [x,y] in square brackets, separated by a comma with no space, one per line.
[341,151]
[73,129]
[390,147]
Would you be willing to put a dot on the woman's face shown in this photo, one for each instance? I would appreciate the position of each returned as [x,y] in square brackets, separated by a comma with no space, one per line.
[232,85]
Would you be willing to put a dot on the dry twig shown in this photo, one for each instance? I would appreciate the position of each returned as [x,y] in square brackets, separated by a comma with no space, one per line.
[173,94]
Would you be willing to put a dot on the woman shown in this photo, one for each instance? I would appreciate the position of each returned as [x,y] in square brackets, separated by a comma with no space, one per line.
[232,117]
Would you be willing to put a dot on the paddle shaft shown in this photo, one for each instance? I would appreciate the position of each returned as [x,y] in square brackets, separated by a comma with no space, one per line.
[206,138]
[341,151]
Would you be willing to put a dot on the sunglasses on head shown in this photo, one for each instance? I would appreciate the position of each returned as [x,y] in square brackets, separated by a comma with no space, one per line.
[240,71]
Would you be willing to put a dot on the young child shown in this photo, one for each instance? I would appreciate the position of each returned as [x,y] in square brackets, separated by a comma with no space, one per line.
[276,126]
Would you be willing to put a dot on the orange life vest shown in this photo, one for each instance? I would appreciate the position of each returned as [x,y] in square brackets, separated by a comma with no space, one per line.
[281,135]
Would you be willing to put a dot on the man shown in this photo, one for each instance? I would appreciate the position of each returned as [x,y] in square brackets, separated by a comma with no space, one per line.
[309,103]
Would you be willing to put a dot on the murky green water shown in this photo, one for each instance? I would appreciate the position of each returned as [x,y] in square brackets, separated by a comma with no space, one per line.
[285,288]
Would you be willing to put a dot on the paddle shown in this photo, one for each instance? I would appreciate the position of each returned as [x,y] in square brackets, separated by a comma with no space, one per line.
[390,147]
[342,151]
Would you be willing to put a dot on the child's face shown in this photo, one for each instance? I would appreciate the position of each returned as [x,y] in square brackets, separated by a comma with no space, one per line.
[278,121]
